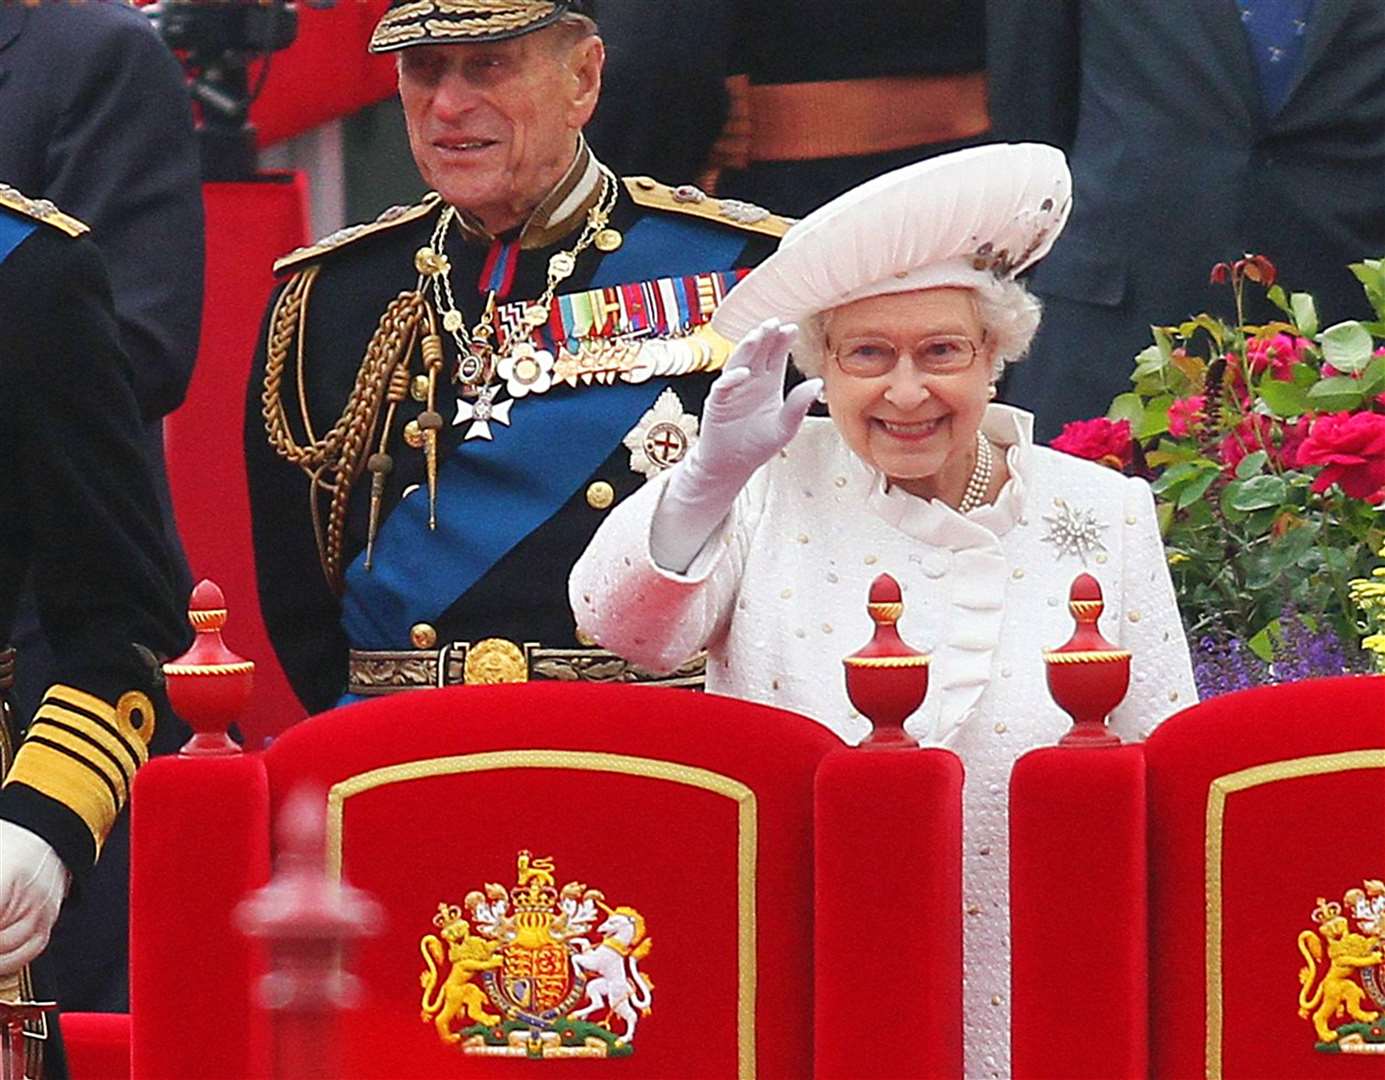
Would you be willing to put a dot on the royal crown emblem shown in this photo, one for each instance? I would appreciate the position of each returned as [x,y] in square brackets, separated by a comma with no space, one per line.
[526,977]
[1351,975]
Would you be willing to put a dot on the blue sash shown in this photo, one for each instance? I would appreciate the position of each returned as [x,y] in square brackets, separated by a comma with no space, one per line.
[14,230]
[491,495]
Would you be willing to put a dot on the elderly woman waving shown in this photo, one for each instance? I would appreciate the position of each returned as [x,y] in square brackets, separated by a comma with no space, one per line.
[898,300]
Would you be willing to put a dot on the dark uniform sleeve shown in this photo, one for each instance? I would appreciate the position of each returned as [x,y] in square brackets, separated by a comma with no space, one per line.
[300,611]
[123,158]
[1033,52]
[81,508]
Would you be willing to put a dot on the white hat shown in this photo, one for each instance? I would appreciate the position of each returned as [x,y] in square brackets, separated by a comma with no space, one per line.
[956,220]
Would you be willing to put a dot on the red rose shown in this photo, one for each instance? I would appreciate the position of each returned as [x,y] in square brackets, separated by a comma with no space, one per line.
[1185,413]
[1106,441]
[1256,432]
[1351,446]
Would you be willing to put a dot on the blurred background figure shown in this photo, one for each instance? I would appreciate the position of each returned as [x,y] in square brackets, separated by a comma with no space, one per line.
[825,95]
[82,525]
[663,95]
[95,117]
[1197,131]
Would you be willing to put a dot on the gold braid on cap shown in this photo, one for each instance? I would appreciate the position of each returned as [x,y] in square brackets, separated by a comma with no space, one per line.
[334,463]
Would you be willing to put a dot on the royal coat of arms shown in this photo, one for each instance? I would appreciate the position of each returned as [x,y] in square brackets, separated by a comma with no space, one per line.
[1345,971]
[526,971]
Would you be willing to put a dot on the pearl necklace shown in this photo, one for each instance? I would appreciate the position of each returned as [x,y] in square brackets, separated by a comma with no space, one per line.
[980,480]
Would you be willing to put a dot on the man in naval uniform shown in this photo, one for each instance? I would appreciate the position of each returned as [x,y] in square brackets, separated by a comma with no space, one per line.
[81,520]
[447,401]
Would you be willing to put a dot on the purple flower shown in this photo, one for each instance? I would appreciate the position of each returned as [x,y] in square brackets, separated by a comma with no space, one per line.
[1221,665]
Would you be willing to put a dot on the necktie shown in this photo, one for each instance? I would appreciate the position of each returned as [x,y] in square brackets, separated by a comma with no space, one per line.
[1276,30]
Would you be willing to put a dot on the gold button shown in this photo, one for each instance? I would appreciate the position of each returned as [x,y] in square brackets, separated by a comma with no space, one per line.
[608,240]
[600,495]
[412,435]
[645,184]
[419,388]
[584,638]
[423,636]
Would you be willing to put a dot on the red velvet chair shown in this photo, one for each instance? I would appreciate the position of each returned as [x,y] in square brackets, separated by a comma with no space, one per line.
[803,899]
[1167,897]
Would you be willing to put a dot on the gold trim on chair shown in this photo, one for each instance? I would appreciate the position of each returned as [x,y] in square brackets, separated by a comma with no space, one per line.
[1217,792]
[582,760]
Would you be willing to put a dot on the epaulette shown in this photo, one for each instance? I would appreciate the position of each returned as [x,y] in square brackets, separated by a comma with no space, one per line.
[395,215]
[40,210]
[690,199]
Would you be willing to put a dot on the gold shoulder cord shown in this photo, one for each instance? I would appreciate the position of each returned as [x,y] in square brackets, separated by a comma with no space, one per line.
[334,463]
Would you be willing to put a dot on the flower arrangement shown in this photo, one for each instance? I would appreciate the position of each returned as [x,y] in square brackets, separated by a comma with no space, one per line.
[1265,446]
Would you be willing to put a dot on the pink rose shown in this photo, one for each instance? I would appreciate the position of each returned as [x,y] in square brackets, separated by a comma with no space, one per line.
[1351,446]
[1279,353]
[1185,413]
[1102,440]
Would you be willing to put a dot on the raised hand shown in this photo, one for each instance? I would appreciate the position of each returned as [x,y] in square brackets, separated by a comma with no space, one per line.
[747,420]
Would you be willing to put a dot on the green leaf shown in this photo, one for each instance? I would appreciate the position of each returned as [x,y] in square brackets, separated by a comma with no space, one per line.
[1305,375]
[1228,498]
[1164,342]
[1261,644]
[1373,378]
[1284,399]
[1305,313]
[1127,407]
[1155,420]
[1336,394]
[1251,464]
[1276,296]
[1261,492]
[1196,489]
[1176,476]
[1163,513]
[1347,346]
[1148,361]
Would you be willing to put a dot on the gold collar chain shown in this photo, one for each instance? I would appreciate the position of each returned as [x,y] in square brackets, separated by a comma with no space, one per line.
[476,347]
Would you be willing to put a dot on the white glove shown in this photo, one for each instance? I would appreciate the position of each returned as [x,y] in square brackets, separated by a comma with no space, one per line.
[746,421]
[33,882]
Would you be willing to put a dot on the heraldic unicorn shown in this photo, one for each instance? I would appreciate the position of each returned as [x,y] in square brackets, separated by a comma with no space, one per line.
[524,977]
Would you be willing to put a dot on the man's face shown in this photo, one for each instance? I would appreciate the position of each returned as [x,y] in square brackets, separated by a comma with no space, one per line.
[493,127]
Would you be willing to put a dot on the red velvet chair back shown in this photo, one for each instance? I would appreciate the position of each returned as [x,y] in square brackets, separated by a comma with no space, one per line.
[1264,807]
[693,810]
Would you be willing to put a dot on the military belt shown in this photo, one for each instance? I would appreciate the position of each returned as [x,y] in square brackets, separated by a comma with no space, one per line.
[371,673]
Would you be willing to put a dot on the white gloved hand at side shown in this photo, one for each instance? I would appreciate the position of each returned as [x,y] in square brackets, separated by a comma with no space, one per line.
[33,882]
[746,420]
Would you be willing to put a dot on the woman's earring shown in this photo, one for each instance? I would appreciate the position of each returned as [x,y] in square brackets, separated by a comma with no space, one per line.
[822,395]
[990,393]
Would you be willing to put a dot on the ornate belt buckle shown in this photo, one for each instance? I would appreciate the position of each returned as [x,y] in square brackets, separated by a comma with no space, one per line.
[493,661]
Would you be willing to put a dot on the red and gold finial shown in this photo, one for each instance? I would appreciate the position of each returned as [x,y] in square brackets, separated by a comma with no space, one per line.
[886,679]
[209,684]
[1087,675]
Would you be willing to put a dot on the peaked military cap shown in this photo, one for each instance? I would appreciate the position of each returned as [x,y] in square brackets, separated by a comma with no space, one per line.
[464,22]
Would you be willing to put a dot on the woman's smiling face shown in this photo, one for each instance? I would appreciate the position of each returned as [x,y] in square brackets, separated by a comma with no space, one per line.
[917,426]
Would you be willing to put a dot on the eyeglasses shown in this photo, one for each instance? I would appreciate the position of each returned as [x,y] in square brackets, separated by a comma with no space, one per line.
[869,358]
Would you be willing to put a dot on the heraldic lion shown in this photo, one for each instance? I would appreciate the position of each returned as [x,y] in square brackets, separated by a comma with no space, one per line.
[1347,953]
[457,995]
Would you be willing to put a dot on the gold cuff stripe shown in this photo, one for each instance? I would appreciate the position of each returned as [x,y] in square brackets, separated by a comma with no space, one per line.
[97,754]
[104,732]
[69,779]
